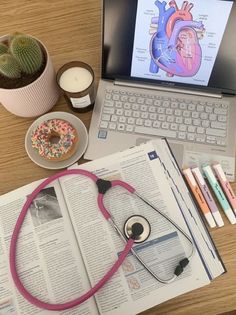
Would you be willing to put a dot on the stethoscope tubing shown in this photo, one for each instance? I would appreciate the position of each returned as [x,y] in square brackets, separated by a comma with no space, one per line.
[102,186]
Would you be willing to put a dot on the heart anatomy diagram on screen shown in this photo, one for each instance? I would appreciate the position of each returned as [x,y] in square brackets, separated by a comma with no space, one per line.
[175,40]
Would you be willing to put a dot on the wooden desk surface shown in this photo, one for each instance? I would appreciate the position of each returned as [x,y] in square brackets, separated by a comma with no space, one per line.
[71,30]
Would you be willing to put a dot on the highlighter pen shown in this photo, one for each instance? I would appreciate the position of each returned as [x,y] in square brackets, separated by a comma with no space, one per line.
[208,196]
[219,193]
[225,185]
[199,197]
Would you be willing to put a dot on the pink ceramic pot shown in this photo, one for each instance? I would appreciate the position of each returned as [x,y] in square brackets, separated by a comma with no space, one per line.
[34,99]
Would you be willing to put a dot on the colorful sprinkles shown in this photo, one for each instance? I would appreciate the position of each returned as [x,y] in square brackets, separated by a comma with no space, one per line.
[42,135]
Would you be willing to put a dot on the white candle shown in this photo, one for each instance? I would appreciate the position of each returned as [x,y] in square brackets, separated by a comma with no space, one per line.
[75,79]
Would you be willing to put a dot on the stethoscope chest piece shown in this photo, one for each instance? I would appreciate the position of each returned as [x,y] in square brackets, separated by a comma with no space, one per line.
[137,228]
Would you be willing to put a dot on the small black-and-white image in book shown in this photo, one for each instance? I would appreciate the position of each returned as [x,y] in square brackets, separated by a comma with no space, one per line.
[60,257]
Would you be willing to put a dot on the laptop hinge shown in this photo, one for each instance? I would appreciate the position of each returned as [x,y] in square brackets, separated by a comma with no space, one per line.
[166,89]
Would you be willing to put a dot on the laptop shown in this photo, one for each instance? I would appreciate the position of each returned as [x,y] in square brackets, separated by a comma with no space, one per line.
[168,70]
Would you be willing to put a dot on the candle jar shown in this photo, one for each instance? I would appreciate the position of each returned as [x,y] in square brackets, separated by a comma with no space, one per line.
[76,80]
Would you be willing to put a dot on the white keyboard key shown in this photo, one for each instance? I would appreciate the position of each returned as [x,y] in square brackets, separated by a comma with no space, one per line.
[160,110]
[128,113]
[127,105]
[195,115]
[108,96]
[156,124]
[204,116]
[122,119]
[220,111]
[140,100]
[182,128]
[124,98]
[144,115]
[152,109]
[179,120]
[200,130]
[211,139]
[108,103]
[188,121]
[221,142]
[222,118]
[212,117]
[225,105]
[165,125]
[118,104]
[114,118]
[215,132]
[119,111]
[157,102]
[166,104]
[190,136]
[200,108]
[200,138]
[174,105]
[153,116]
[139,121]
[173,126]
[115,97]
[191,128]
[191,106]
[143,108]
[112,126]
[205,123]
[131,120]
[169,111]
[170,119]
[186,113]
[156,132]
[218,125]
[135,107]
[196,122]
[132,99]
[149,101]
[104,124]
[120,127]
[106,117]
[162,117]
[183,106]
[136,114]
[148,123]
[182,135]
[178,112]
[208,109]
[129,128]
[108,110]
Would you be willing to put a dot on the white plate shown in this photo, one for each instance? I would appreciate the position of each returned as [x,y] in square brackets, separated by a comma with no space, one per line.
[81,144]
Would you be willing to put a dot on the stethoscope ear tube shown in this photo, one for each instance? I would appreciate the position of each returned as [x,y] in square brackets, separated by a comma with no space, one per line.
[136,233]
[18,283]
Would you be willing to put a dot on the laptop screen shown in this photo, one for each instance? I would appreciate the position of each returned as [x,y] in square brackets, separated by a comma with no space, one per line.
[179,43]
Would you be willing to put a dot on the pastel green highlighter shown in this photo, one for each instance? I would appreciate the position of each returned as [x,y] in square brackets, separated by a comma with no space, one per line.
[219,193]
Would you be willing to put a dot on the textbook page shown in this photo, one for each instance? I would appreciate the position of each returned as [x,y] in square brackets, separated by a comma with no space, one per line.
[132,289]
[48,258]
[206,247]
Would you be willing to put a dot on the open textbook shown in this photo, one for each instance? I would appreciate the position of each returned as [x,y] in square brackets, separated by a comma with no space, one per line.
[65,245]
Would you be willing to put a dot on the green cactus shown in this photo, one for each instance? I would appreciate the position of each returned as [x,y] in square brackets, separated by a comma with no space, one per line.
[3,49]
[9,67]
[27,52]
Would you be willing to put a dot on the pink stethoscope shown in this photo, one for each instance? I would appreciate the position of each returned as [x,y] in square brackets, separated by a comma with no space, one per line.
[136,230]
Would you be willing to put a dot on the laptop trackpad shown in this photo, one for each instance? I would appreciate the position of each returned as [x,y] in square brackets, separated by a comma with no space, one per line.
[177,149]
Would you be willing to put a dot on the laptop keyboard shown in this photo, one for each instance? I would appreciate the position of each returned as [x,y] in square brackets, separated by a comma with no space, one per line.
[173,118]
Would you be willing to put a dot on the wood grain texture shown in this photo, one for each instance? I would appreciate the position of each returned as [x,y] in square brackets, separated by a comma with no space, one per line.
[71,30]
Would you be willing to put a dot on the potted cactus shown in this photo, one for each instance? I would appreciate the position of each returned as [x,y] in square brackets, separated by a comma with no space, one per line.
[27,79]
